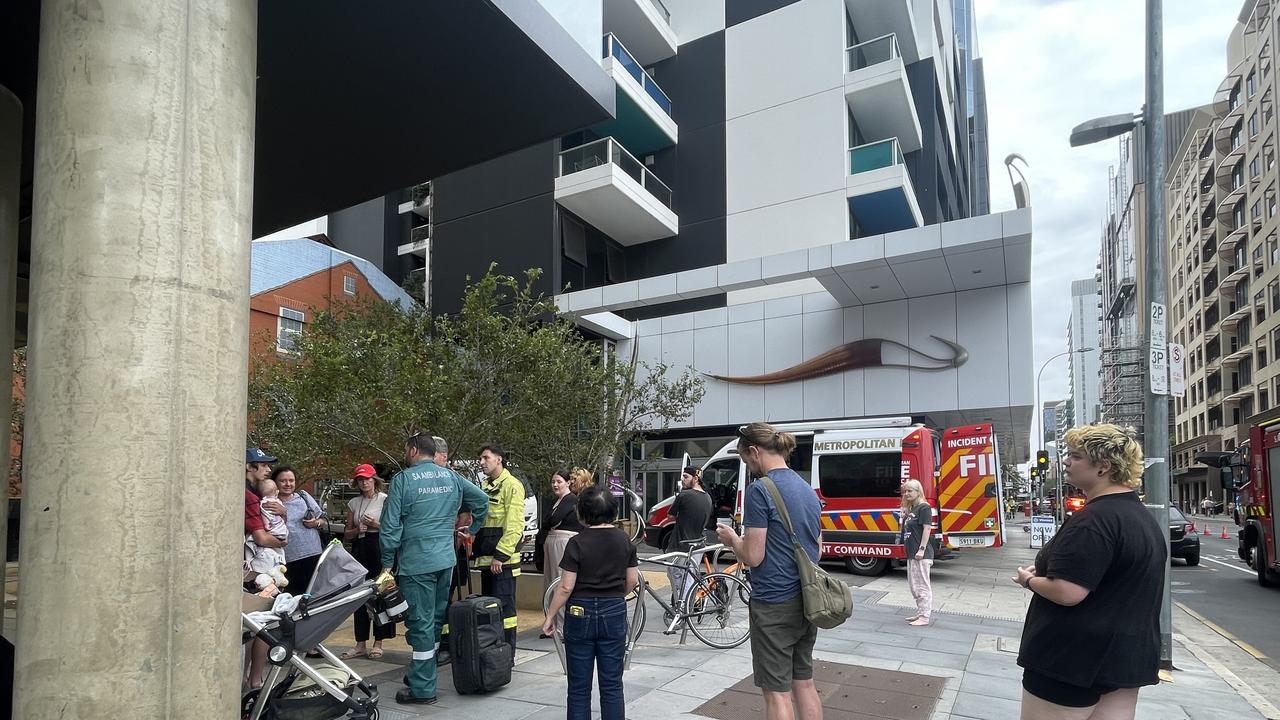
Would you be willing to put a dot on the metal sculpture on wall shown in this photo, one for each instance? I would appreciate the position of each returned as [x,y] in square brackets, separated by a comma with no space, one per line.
[857,355]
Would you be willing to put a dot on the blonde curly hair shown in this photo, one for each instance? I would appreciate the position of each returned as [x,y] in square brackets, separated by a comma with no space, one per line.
[580,479]
[1113,444]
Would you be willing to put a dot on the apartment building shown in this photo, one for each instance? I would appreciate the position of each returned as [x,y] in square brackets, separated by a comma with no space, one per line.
[1084,331]
[1224,258]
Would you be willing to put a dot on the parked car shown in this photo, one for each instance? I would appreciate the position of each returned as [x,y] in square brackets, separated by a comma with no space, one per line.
[1184,543]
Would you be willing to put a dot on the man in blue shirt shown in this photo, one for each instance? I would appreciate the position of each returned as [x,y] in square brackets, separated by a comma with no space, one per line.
[781,638]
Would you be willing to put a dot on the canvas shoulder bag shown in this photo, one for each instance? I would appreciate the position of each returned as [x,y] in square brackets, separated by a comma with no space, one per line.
[827,600]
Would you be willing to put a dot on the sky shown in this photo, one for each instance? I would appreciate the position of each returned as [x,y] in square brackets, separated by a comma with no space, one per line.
[1051,64]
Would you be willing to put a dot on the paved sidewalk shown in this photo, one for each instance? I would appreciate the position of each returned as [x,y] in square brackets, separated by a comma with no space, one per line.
[971,646]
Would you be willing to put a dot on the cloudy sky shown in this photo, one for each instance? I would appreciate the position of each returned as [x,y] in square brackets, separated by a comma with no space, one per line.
[1051,64]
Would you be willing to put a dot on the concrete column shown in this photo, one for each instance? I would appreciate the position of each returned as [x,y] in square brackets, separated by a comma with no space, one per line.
[138,351]
[10,178]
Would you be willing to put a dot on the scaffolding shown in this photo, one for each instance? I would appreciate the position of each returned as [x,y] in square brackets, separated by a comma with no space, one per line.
[1123,357]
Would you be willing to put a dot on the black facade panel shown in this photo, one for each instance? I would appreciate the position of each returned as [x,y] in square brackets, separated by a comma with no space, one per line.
[695,169]
[518,235]
[740,11]
[698,245]
[694,80]
[511,178]
[678,307]
[361,231]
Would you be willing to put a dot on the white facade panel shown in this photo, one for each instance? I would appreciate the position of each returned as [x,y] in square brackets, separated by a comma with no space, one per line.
[711,355]
[1085,332]
[746,357]
[1021,374]
[783,347]
[582,19]
[821,219]
[933,315]
[983,330]
[854,405]
[677,351]
[823,331]
[692,19]
[790,53]
[886,390]
[786,152]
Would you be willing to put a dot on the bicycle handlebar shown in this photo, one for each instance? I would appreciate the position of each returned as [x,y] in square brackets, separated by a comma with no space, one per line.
[661,559]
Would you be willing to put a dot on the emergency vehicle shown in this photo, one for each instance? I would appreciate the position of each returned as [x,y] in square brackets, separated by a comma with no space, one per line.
[857,468]
[1252,472]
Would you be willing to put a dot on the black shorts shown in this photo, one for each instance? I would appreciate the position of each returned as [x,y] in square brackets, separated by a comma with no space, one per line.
[1061,693]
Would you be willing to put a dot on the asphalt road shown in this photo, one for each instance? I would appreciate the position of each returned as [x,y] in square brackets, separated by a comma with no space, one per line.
[1226,592]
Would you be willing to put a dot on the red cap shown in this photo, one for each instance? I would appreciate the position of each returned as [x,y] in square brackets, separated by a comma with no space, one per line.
[365,471]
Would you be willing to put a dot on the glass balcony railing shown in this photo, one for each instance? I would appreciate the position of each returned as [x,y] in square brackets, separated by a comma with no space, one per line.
[874,156]
[872,52]
[608,150]
[661,7]
[614,49]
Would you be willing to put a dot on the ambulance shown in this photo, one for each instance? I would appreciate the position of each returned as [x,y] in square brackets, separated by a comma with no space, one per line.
[857,468]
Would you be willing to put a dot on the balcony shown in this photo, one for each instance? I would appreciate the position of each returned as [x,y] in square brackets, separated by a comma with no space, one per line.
[605,185]
[1240,394]
[1236,316]
[420,205]
[878,93]
[643,121]
[1227,129]
[1222,97]
[1228,205]
[1227,249]
[1234,277]
[419,242]
[878,187]
[1238,355]
[646,24]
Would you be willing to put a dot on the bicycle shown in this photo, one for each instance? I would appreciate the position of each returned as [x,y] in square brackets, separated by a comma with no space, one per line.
[714,607]
[737,569]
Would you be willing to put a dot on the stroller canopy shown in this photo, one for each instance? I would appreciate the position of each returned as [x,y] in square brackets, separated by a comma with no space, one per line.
[335,572]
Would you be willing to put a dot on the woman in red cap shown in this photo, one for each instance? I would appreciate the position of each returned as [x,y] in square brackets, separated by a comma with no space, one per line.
[364,521]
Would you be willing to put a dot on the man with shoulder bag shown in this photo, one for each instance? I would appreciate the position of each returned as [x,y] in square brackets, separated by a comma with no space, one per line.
[791,597]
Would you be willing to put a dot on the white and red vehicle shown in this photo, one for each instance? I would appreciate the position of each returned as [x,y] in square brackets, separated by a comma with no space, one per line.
[1252,472]
[857,468]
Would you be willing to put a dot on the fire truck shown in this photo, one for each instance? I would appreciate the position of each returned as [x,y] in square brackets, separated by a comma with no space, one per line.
[857,468]
[1252,472]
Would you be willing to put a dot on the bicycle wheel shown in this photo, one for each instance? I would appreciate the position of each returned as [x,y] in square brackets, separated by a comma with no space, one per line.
[718,610]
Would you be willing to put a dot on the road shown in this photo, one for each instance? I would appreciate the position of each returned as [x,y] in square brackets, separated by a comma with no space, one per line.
[1226,592]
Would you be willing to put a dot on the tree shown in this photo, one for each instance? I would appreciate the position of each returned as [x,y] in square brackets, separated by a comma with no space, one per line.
[16,417]
[507,369]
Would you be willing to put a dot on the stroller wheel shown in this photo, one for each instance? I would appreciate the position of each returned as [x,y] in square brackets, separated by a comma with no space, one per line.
[246,703]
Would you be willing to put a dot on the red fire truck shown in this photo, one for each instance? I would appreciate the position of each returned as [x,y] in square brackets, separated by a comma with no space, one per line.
[1252,472]
[857,468]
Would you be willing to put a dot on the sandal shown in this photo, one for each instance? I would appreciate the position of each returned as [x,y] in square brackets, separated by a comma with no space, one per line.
[913,618]
[375,653]
[353,653]
[920,622]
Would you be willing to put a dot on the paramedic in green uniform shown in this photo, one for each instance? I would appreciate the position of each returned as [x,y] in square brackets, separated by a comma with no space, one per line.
[418,521]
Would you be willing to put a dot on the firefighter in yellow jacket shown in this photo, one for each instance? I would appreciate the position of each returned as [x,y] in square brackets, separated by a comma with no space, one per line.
[495,551]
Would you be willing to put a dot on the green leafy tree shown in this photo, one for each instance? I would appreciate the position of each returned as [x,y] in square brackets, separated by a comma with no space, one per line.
[507,369]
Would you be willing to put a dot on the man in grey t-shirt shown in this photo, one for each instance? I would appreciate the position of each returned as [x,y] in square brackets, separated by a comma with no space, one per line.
[781,637]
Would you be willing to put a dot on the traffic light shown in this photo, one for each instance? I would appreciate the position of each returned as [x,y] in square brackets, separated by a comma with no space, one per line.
[1042,462]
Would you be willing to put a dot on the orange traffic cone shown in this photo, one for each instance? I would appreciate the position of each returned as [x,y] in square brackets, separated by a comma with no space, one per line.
[1206,529]
[1224,535]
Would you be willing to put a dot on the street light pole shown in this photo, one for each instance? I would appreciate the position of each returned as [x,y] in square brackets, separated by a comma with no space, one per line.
[1155,432]
[1039,410]
[1155,425]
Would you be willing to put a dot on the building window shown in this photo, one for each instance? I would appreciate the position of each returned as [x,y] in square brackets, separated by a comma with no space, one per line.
[1255,210]
[1253,168]
[349,284]
[288,329]
[1253,124]
[1251,83]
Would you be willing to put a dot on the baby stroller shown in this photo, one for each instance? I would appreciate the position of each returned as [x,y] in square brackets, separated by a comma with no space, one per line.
[294,689]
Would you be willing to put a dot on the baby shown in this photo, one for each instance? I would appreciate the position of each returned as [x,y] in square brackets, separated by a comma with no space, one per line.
[268,563]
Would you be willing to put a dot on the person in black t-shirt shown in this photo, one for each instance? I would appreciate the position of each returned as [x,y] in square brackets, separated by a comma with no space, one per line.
[1092,633]
[598,569]
[692,510]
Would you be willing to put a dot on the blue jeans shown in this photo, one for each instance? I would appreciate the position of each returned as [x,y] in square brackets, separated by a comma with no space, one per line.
[595,633]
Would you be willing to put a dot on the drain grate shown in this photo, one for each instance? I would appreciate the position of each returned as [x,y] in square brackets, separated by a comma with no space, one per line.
[848,692]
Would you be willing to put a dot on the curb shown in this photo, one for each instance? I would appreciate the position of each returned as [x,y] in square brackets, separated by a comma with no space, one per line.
[1219,667]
